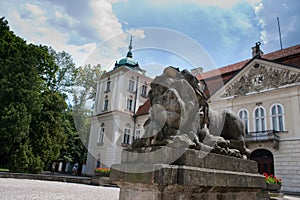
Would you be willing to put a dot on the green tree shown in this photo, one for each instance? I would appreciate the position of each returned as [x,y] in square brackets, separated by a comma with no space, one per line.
[19,96]
[74,151]
[32,112]
[84,94]
[36,125]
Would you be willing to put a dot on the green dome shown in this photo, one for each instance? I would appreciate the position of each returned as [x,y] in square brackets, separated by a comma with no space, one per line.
[128,61]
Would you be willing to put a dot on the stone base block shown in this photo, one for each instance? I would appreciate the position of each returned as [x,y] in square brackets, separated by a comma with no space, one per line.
[185,174]
[187,157]
[171,182]
[150,192]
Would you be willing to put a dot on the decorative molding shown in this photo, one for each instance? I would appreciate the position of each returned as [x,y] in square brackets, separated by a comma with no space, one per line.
[261,78]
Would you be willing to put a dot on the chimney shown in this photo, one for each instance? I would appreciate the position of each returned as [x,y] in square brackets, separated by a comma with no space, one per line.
[256,52]
[196,71]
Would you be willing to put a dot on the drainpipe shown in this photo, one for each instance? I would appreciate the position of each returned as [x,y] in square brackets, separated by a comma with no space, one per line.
[134,108]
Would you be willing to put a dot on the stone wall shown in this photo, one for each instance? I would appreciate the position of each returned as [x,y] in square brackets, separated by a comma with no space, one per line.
[287,165]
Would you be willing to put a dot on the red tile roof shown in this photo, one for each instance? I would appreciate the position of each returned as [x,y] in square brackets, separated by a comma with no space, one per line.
[280,55]
[144,109]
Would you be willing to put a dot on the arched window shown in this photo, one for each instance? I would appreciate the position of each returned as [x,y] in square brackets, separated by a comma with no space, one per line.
[243,114]
[260,119]
[101,133]
[277,117]
[126,136]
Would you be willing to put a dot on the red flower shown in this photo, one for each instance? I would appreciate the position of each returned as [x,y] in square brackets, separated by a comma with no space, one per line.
[103,170]
[272,179]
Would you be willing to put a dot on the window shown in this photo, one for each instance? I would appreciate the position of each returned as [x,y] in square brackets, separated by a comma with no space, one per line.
[137,134]
[277,117]
[129,103]
[243,114]
[107,86]
[126,138]
[144,91]
[259,119]
[101,133]
[98,163]
[131,85]
[105,107]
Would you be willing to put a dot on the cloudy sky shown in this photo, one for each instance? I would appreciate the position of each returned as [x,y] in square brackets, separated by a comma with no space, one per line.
[184,33]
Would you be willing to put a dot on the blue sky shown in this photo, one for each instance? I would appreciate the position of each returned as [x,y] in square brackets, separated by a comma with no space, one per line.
[184,33]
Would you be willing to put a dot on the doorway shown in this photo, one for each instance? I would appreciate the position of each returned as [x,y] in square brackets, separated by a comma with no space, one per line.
[264,159]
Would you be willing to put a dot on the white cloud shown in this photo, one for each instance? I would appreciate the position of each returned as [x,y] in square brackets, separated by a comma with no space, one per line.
[64,17]
[201,3]
[258,8]
[103,19]
[36,12]
[139,33]
[264,37]
[49,24]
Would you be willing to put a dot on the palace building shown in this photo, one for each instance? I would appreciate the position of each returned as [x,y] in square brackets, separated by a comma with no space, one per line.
[120,92]
[264,91]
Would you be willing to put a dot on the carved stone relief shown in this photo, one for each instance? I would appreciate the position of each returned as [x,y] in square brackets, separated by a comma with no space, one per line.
[261,78]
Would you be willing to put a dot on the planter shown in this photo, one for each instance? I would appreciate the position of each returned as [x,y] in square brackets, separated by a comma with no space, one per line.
[273,187]
[102,174]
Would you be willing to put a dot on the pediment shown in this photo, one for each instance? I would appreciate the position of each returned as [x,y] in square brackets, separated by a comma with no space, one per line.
[259,75]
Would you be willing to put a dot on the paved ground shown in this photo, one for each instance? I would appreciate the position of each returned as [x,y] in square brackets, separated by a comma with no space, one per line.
[23,189]
[288,197]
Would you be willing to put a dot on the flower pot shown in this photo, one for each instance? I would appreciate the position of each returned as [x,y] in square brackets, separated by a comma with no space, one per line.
[102,174]
[273,187]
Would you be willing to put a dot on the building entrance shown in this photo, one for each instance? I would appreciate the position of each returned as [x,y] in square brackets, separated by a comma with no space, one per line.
[264,159]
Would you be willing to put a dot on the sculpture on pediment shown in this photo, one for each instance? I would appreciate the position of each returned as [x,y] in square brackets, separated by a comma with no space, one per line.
[180,117]
[261,78]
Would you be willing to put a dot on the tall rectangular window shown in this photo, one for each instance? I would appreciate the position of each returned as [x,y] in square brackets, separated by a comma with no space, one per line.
[129,104]
[131,86]
[107,86]
[137,134]
[101,133]
[144,91]
[243,114]
[105,107]
[126,137]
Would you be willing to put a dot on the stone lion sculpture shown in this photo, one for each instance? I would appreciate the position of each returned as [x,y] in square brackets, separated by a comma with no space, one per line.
[180,117]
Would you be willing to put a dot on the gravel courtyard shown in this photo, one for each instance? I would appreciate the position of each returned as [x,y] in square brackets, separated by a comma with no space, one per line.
[23,189]
[17,189]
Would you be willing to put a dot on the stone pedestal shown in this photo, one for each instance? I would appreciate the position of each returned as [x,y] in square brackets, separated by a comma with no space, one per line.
[166,173]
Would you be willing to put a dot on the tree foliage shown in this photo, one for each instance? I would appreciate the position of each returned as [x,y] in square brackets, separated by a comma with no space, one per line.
[32,112]
[84,94]
[36,124]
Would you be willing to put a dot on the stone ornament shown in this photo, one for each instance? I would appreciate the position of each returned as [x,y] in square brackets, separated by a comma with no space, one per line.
[261,78]
[180,117]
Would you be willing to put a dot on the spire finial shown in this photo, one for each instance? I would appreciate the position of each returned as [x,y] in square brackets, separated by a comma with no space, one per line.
[129,54]
[130,46]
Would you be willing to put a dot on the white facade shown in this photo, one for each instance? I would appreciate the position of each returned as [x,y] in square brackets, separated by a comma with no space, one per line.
[269,94]
[120,92]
